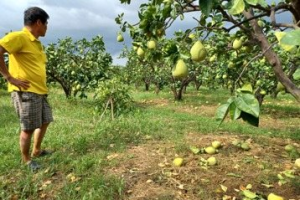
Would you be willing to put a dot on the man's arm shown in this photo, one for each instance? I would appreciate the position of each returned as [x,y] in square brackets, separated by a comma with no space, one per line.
[5,73]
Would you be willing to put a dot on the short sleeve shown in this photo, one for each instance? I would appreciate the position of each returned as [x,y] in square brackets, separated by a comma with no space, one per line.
[12,42]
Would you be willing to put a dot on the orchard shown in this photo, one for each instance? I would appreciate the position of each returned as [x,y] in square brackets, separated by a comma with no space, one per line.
[236,45]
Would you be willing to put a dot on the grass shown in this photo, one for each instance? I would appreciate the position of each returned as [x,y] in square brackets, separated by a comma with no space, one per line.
[83,143]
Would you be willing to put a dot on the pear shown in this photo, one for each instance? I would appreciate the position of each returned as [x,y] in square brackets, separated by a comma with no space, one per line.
[289,147]
[280,87]
[297,163]
[140,52]
[237,43]
[212,161]
[260,23]
[210,150]
[198,52]
[273,196]
[120,38]
[213,58]
[181,70]
[245,146]
[178,162]
[216,144]
[151,44]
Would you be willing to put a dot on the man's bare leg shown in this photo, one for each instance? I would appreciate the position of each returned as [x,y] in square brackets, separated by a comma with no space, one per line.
[25,141]
[38,139]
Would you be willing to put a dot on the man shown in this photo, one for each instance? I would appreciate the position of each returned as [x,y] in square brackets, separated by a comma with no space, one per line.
[26,77]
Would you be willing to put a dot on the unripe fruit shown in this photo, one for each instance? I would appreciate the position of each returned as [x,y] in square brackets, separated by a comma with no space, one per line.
[260,23]
[263,92]
[151,44]
[192,35]
[140,52]
[120,38]
[198,52]
[213,58]
[280,87]
[289,147]
[273,196]
[178,162]
[245,146]
[237,43]
[230,65]
[181,70]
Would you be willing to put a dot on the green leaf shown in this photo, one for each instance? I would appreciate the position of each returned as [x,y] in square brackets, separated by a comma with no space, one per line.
[296,75]
[249,194]
[252,2]
[234,111]
[206,6]
[247,103]
[263,3]
[291,38]
[223,110]
[237,7]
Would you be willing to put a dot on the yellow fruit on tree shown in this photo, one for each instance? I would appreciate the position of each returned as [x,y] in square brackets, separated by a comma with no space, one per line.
[181,70]
[120,38]
[198,52]
[231,65]
[280,87]
[273,196]
[140,52]
[192,35]
[260,23]
[213,58]
[237,43]
[151,44]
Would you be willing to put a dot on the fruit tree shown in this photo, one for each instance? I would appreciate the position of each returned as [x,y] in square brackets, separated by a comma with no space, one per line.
[249,26]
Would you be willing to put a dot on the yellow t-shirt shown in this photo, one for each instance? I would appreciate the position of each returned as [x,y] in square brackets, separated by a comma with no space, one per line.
[27,60]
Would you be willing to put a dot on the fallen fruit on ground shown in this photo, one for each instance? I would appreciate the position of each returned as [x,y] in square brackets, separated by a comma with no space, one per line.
[211,161]
[289,147]
[245,146]
[273,196]
[216,144]
[178,162]
[297,163]
[210,150]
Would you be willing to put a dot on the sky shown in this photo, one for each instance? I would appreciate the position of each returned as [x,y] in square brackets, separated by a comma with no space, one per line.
[76,19]
[81,19]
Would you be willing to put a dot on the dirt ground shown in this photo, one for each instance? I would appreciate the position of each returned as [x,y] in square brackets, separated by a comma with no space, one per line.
[149,173]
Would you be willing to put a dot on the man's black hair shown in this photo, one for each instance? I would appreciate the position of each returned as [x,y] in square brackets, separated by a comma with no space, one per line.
[33,14]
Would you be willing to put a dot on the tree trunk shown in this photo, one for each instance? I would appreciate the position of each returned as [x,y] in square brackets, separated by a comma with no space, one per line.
[272,57]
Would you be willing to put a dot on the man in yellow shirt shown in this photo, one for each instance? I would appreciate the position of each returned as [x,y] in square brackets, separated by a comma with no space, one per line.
[26,77]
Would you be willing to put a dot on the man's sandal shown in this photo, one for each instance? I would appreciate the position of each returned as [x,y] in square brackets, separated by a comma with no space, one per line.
[33,165]
[43,153]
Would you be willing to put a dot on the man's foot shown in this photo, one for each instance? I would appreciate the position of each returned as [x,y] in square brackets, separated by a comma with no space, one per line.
[42,153]
[33,165]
